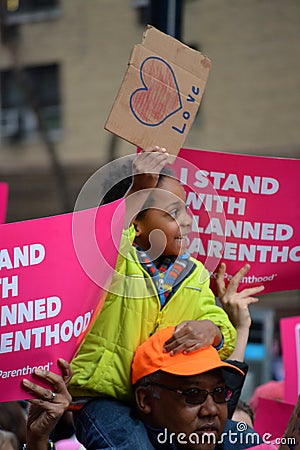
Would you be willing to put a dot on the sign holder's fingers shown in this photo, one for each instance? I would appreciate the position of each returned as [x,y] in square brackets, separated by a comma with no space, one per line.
[237,278]
[220,281]
[248,292]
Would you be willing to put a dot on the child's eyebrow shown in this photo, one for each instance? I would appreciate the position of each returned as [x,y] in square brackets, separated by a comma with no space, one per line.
[174,203]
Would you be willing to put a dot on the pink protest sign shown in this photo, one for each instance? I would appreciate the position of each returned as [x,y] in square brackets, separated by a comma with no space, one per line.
[53,276]
[291,438]
[268,446]
[272,417]
[245,210]
[3,201]
[290,344]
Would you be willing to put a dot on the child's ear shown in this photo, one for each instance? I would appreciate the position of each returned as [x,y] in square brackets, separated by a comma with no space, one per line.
[137,227]
[143,400]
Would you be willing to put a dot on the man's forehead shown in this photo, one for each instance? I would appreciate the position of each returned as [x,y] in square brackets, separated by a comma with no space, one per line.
[212,376]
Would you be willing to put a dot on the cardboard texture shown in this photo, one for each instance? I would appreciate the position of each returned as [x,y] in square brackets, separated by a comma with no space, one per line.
[291,437]
[160,93]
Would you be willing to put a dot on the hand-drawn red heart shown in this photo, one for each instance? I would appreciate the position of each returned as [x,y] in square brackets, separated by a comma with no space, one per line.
[160,96]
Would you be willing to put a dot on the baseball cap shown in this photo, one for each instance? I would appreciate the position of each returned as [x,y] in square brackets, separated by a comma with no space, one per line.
[149,357]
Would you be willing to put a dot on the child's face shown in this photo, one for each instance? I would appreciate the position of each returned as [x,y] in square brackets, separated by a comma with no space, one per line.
[165,226]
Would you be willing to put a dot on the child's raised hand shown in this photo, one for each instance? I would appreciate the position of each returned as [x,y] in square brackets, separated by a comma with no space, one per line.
[146,169]
[191,335]
[236,303]
[147,166]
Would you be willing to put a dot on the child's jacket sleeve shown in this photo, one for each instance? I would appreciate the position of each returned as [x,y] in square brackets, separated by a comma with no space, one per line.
[194,300]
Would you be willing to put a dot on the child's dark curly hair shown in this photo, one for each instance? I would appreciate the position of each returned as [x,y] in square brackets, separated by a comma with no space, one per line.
[116,190]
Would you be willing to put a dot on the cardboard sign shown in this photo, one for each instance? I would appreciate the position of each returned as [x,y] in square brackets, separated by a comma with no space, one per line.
[291,437]
[290,344]
[160,93]
[49,295]
[245,210]
[271,418]
[3,201]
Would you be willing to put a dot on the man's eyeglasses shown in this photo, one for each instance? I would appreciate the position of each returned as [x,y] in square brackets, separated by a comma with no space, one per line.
[195,396]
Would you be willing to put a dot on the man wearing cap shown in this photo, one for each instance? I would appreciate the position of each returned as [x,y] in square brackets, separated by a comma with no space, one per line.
[182,399]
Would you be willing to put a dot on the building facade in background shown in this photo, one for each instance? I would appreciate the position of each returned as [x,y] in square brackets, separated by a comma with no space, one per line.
[61,65]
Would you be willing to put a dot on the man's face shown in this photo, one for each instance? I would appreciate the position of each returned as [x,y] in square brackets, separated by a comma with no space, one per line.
[171,411]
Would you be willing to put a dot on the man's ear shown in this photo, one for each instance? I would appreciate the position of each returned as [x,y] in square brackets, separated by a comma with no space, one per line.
[143,400]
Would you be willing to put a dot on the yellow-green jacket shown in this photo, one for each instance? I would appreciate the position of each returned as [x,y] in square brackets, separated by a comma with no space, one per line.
[131,313]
